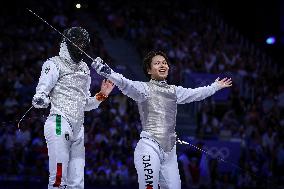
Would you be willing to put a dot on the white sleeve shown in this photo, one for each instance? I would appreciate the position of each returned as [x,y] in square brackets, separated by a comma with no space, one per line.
[92,102]
[48,78]
[187,95]
[136,90]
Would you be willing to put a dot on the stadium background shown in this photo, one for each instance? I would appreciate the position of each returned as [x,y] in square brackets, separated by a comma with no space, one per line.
[204,39]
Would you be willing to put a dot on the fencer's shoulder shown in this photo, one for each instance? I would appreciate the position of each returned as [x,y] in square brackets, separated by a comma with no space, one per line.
[53,61]
[173,87]
[144,83]
[178,87]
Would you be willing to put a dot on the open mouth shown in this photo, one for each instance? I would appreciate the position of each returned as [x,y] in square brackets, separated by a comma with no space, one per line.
[162,71]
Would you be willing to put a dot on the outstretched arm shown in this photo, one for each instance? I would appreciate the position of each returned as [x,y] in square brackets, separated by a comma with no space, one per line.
[136,90]
[48,78]
[187,95]
[94,102]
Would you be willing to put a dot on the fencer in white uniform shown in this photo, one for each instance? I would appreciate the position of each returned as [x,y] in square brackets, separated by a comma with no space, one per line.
[65,83]
[155,154]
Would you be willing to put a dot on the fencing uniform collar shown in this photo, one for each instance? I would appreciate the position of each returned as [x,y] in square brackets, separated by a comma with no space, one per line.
[162,83]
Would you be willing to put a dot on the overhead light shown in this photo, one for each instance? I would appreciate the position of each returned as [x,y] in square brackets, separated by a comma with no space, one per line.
[271,40]
[78,5]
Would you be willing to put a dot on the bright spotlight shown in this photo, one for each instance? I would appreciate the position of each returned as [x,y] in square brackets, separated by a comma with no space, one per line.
[78,5]
[270,40]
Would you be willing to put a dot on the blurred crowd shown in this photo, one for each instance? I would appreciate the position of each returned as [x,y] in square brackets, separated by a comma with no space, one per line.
[196,39]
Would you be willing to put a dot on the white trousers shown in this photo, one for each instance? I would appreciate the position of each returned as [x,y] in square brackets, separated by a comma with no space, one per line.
[156,167]
[66,154]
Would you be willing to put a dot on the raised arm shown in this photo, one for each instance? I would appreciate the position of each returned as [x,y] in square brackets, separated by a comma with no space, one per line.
[94,102]
[48,78]
[187,95]
[136,90]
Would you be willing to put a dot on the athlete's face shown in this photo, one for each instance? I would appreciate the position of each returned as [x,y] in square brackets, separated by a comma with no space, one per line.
[159,68]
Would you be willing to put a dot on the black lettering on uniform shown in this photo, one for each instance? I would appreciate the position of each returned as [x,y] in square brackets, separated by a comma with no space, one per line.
[146,158]
[149,183]
[149,171]
[146,164]
[148,177]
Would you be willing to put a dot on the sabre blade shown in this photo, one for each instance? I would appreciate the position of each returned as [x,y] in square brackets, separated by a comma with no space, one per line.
[24,116]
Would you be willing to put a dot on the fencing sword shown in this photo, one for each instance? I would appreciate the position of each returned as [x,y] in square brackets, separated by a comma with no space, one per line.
[18,121]
[18,125]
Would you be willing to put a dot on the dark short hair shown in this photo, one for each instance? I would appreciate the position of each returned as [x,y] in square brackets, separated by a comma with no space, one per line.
[148,59]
